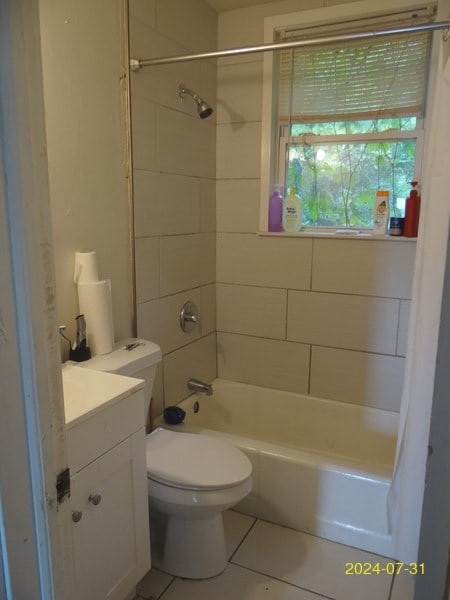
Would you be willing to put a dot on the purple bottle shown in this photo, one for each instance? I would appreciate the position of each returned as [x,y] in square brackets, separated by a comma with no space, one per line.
[275,209]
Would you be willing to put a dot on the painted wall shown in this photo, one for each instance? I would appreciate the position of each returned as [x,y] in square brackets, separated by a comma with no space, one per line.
[83,61]
[174,190]
[318,316]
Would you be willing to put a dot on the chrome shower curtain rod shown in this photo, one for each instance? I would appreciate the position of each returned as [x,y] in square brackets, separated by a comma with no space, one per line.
[137,63]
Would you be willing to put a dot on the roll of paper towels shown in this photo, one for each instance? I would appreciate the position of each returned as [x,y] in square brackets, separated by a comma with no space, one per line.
[85,267]
[94,298]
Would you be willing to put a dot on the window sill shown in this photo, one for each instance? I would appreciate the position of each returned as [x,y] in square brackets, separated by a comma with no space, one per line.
[338,235]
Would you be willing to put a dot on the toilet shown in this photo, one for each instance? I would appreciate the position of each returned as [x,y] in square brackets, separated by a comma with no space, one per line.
[192,478]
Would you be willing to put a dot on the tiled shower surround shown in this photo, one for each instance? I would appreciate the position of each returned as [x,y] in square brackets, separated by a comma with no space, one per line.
[321,316]
[174,190]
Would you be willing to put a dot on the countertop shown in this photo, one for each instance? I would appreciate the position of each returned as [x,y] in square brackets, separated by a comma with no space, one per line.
[87,392]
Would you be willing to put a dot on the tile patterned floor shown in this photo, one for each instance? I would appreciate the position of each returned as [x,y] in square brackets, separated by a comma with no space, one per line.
[276,563]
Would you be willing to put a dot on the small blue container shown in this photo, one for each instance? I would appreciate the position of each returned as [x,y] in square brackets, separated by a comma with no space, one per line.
[396,225]
[174,415]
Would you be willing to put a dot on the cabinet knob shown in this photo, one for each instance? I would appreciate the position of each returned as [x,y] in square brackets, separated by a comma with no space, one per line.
[95,499]
[76,516]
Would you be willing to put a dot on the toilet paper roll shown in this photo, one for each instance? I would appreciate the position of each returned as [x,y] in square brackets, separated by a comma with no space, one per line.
[94,298]
[85,267]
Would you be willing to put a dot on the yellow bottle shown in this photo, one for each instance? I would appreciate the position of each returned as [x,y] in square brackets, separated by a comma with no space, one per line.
[292,211]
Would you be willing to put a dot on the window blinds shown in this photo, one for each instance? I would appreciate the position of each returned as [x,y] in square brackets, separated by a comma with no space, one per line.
[367,79]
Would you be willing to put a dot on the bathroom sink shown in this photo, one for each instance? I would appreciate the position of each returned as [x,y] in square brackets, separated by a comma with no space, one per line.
[87,392]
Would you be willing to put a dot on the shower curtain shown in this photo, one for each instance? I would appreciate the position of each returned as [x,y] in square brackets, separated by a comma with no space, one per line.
[406,492]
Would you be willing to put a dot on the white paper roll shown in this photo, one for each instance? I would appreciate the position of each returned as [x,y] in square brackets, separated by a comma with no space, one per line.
[94,298]
[85,267]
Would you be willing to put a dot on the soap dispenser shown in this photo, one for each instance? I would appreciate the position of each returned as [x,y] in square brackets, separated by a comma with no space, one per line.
[412,211]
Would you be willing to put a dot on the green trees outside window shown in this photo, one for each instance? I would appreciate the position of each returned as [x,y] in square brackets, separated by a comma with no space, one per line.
[336,168]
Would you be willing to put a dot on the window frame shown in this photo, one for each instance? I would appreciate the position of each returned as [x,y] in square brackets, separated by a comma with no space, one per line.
[305,139]
[273,143]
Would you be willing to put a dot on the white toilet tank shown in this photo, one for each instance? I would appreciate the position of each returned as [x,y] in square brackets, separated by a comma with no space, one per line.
[132,357]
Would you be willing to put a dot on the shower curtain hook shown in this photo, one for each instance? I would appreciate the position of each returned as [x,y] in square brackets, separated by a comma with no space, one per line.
[446,35]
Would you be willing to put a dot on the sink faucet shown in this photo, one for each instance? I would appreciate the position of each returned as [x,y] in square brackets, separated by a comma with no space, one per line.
[199,386]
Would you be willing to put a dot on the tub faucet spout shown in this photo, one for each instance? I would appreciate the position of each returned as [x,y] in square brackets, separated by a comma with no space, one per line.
[199,386]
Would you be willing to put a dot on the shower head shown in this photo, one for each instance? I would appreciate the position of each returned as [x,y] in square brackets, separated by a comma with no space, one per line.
[203,108]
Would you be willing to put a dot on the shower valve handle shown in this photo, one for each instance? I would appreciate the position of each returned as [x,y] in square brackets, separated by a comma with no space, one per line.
[189,317]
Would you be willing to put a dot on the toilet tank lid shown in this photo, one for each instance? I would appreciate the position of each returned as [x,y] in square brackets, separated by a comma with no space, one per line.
[126,362]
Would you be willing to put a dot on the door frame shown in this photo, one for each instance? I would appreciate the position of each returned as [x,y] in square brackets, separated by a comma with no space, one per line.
[35,530]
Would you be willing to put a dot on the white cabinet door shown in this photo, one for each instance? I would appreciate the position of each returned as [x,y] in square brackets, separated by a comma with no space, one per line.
[111,539]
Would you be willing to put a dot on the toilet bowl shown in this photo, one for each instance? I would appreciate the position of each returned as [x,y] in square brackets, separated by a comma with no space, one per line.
[192,479]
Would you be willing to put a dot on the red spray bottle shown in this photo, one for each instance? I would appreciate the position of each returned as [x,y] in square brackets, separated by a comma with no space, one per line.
[412,211]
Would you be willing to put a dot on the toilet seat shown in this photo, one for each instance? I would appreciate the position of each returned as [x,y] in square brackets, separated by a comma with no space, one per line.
[195,462]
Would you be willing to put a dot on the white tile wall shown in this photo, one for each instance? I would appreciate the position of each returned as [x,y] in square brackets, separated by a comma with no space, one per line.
[207,205]
[240,92]
[373,268]
[157,405]
[405,307]
[343,321]
[147,268]
[196,360]
[245,164]
[143,126]
[251,310]
[146,41]
[249,259]
[174,189]
[160,83]
[187,261]
[185,143]
[208,307]
[236,26]
[269,363]
[159,320]
[347,299]
[145,208]
[237,205]
[195,25]
[166,204]
[341,305]
[245,26]
[357,377]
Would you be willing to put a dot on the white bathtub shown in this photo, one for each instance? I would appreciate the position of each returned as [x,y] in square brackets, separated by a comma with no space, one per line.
[319,466]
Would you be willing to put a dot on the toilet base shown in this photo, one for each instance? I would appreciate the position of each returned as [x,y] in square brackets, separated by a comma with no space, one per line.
[192,548]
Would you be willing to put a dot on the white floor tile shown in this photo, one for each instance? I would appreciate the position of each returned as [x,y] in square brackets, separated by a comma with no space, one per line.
[153,584]
[236,526]
[403,588]
[236,583]
[311,563]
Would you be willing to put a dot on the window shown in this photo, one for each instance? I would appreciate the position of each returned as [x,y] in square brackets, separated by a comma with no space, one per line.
[349,119]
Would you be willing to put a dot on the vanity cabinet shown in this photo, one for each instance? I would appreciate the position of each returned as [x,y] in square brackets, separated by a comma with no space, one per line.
[111,540]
